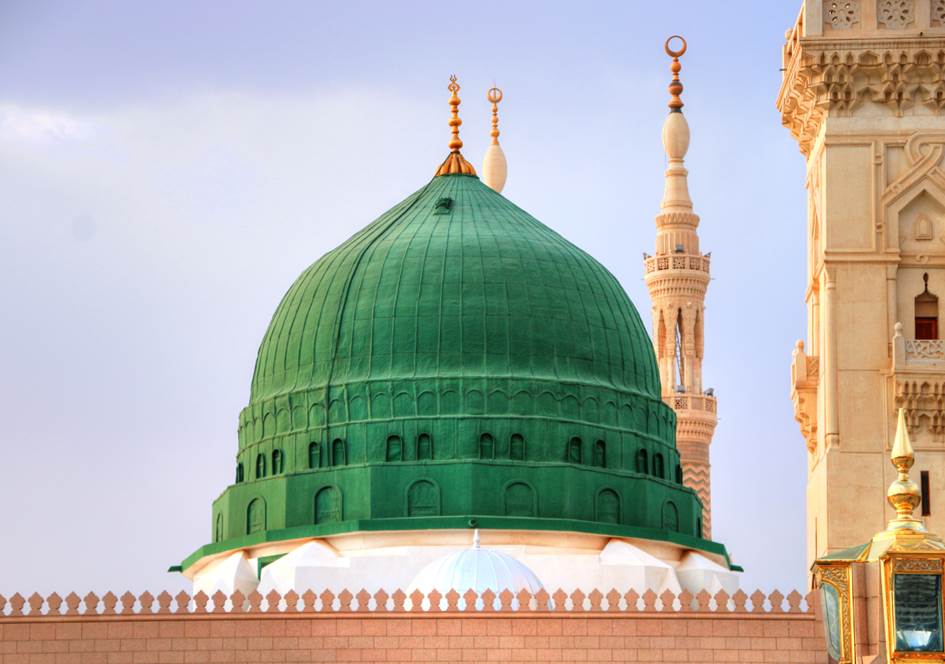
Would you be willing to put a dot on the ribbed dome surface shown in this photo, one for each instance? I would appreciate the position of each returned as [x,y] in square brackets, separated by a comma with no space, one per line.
[481,288]
[456,361]
[478,569]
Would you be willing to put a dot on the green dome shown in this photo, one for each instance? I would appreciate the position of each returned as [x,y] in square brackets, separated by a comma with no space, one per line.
[456,361]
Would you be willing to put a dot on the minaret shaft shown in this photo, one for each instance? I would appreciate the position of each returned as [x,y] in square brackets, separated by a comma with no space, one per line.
[677,276]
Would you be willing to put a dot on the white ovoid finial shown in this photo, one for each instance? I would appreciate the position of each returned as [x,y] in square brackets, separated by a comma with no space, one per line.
[476,538]
[495,169]
[676,139]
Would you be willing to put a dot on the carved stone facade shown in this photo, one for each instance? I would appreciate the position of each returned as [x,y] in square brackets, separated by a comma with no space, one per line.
[863,93]
[677,277]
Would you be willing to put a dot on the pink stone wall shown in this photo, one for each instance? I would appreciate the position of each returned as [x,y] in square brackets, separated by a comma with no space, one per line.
[189,630]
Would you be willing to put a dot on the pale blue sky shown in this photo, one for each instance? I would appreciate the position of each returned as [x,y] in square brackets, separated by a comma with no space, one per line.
[168,169]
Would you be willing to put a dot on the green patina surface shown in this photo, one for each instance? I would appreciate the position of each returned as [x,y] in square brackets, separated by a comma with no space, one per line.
[455,359]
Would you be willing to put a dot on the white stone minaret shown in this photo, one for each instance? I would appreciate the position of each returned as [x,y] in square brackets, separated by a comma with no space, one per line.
[677,277]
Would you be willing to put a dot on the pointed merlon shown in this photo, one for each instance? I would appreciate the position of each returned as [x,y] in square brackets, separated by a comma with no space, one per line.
[455,164]
[494,166]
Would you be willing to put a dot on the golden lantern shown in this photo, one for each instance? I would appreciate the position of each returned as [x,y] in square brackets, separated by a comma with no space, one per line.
[884,598]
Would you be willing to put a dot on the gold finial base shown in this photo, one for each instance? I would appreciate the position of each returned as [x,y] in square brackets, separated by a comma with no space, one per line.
[455,164]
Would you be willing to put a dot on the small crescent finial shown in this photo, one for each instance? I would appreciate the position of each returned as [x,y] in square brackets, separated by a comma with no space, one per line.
[675,86]
[495,96]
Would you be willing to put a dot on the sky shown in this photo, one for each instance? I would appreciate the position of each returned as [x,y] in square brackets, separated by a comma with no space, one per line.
[168,169]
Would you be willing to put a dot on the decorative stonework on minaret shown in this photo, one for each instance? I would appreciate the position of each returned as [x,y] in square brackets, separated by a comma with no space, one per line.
[677,276]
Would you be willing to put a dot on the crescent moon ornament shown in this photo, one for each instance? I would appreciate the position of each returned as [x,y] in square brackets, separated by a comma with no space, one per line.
[675,53]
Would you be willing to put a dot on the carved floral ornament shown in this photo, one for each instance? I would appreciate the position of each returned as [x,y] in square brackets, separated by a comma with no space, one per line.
[938,11]
[841,14]
[896,13]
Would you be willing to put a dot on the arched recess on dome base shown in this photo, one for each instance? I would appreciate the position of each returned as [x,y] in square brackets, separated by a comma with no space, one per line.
[423,498]
[520,499]
[328,505]
[607,506]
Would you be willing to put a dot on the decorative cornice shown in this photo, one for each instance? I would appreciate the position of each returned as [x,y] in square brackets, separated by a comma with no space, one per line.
[824,76]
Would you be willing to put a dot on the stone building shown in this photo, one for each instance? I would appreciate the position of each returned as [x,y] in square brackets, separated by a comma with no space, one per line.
[863,93]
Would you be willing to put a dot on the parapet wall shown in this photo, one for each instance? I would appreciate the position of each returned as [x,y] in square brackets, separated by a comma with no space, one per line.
[362,628]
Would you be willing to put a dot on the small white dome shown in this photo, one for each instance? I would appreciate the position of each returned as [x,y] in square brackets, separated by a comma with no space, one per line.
[477,569]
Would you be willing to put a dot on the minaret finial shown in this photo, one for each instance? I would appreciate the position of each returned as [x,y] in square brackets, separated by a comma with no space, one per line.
[495,96]
[456,142]
[495,170]
[903,494]
[455,164]
[675,86]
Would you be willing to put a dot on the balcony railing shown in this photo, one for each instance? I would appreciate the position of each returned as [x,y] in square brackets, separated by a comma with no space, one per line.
[691,402]
[676,262]
[925,350]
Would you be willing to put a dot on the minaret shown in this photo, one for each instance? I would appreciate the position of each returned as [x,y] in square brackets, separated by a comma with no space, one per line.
[677,277]
[494,167]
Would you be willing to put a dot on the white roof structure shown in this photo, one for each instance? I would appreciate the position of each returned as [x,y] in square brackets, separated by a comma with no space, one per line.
[301,569]
[475,568]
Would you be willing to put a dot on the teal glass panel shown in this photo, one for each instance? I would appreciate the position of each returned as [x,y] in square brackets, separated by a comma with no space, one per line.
[831,601]
[918,615]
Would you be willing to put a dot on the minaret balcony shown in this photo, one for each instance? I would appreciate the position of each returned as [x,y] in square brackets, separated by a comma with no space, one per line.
[698,402]
[695,262]
[912,354]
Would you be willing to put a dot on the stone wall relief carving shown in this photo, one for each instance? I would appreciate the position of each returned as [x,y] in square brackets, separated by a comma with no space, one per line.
[923,228]
[841,14]
[924,401]
[938,12]
[895,13]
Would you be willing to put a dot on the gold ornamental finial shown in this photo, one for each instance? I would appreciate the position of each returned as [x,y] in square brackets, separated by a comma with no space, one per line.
[675,86]
[903,494]
[455,164]
[495,96]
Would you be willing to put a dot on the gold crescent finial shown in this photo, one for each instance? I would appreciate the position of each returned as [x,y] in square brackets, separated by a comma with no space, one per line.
[675,86]
[495,96]
[455,164]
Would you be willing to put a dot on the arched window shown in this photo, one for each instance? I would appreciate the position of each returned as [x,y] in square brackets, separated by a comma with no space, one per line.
[255,516]
[239,472]
[670,516]
[600,454]
[260,465]
[314,455]
[658,469]
[699,526]
[608,506]
[679,476]
[926,313]
[643,465]
[339,453]
[218,529]
[395,448]
[327,505]
[277,462]
[517,447]
[423,499]
[519,500]
[679,366]
[424,446]
[574,450]
[486,446]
